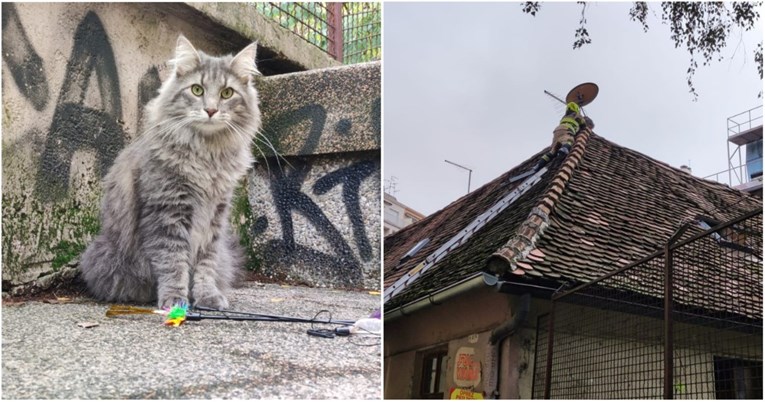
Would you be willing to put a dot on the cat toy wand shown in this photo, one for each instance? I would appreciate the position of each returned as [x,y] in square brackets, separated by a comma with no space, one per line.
[178,314]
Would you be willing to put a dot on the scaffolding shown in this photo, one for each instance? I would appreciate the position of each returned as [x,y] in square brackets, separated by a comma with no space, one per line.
[744,129]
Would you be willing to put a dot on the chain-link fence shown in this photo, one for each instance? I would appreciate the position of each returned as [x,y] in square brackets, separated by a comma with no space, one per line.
[349,32]
[685,323]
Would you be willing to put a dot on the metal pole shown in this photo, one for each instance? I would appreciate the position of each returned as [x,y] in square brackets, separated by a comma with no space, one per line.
[740,167]
[335,30]
[668,338]
[548,368]
[555,97]
[730,164]
[559,99]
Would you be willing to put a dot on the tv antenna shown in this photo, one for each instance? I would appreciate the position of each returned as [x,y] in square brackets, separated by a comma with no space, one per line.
[582,94]
[390,186]
[470,172]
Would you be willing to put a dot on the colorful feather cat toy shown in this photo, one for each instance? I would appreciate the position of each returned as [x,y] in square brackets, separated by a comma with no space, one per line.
[174,316]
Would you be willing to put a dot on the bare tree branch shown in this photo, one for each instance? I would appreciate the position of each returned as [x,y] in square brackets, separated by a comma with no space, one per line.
[701,28]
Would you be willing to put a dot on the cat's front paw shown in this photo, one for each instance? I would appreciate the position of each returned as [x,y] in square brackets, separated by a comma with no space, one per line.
[216,301]
[169,301]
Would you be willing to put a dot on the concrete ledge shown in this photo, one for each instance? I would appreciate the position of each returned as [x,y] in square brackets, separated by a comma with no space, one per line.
[245,20]
[323,111]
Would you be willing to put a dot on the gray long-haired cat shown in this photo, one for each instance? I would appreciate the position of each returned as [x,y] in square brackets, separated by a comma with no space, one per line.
[164,217]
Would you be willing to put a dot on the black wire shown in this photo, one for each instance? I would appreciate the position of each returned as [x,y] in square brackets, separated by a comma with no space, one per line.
[244,316]
[324,332]
[375,343]
[329,320]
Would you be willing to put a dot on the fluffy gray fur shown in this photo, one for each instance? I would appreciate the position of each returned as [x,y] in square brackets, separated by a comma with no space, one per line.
[165,234]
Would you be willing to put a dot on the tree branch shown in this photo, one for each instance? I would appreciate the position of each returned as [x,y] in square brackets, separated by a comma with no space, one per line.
[581,36]
[531,7]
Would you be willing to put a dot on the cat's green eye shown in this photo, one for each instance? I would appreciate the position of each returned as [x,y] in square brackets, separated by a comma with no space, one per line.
[226,93]
[197,90]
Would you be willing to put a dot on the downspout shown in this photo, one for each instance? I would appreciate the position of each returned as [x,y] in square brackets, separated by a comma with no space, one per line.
[498,335]
[507,329]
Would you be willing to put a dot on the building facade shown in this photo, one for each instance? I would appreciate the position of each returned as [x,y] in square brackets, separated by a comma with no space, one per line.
[397,215]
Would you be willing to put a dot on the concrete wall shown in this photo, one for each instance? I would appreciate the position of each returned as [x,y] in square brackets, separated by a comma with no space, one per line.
[317,210]
[75,80]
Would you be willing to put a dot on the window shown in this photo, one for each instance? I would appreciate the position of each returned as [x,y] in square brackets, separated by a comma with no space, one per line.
[738,378]
[391,216]
[754,159]
[433,379]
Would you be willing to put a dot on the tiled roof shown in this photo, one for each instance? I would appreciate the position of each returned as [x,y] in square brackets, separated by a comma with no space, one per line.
[601,208]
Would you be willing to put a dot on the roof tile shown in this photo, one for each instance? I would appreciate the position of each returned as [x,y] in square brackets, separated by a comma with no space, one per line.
[601,208]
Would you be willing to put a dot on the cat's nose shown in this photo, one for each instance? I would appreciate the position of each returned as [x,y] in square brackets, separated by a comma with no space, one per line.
[211,112]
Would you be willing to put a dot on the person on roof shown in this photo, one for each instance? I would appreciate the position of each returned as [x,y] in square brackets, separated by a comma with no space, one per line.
[563,135]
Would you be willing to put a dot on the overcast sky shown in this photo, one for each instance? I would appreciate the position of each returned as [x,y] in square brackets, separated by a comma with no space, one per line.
[465,82]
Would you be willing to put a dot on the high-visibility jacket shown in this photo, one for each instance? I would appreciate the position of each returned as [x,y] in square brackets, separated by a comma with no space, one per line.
[572,117]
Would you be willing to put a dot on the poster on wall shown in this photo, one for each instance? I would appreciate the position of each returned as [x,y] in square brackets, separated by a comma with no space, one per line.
[462,393]
[467,370]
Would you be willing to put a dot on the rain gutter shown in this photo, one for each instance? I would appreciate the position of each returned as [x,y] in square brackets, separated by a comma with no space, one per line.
[478,280]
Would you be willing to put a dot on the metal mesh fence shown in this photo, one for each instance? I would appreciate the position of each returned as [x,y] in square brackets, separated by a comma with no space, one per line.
[717,314]
[362,33]
[349,32]
[307,20]
[540,357]
[627,336]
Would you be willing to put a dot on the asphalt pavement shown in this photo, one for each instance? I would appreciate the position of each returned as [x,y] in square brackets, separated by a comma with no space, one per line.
[46,354]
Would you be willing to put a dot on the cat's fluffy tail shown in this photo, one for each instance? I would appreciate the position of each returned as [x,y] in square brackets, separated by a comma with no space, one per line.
[112,276]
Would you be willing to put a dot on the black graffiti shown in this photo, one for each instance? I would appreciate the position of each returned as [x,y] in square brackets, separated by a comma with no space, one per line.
[343,127]
[288,198]
[24,63]
[285,187]
[75,126]
[147,90]
[350,178]
[342,267]
[284,121]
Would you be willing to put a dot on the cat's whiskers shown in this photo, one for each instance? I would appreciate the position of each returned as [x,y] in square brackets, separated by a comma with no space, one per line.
[161,131]
[264,139]
[174,127]
[149,129]
[234,128]
[259,136]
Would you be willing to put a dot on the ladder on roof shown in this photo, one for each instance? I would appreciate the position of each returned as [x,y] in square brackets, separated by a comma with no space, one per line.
[462,236]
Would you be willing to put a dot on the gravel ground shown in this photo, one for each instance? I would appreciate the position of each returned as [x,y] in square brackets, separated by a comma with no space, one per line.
[46,355]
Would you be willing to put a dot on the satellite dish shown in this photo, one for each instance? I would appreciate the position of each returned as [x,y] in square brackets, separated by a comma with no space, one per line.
[583,94]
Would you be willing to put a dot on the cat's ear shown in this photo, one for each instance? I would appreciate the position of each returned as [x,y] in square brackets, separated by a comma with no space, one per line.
[186,57]
[243,64]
